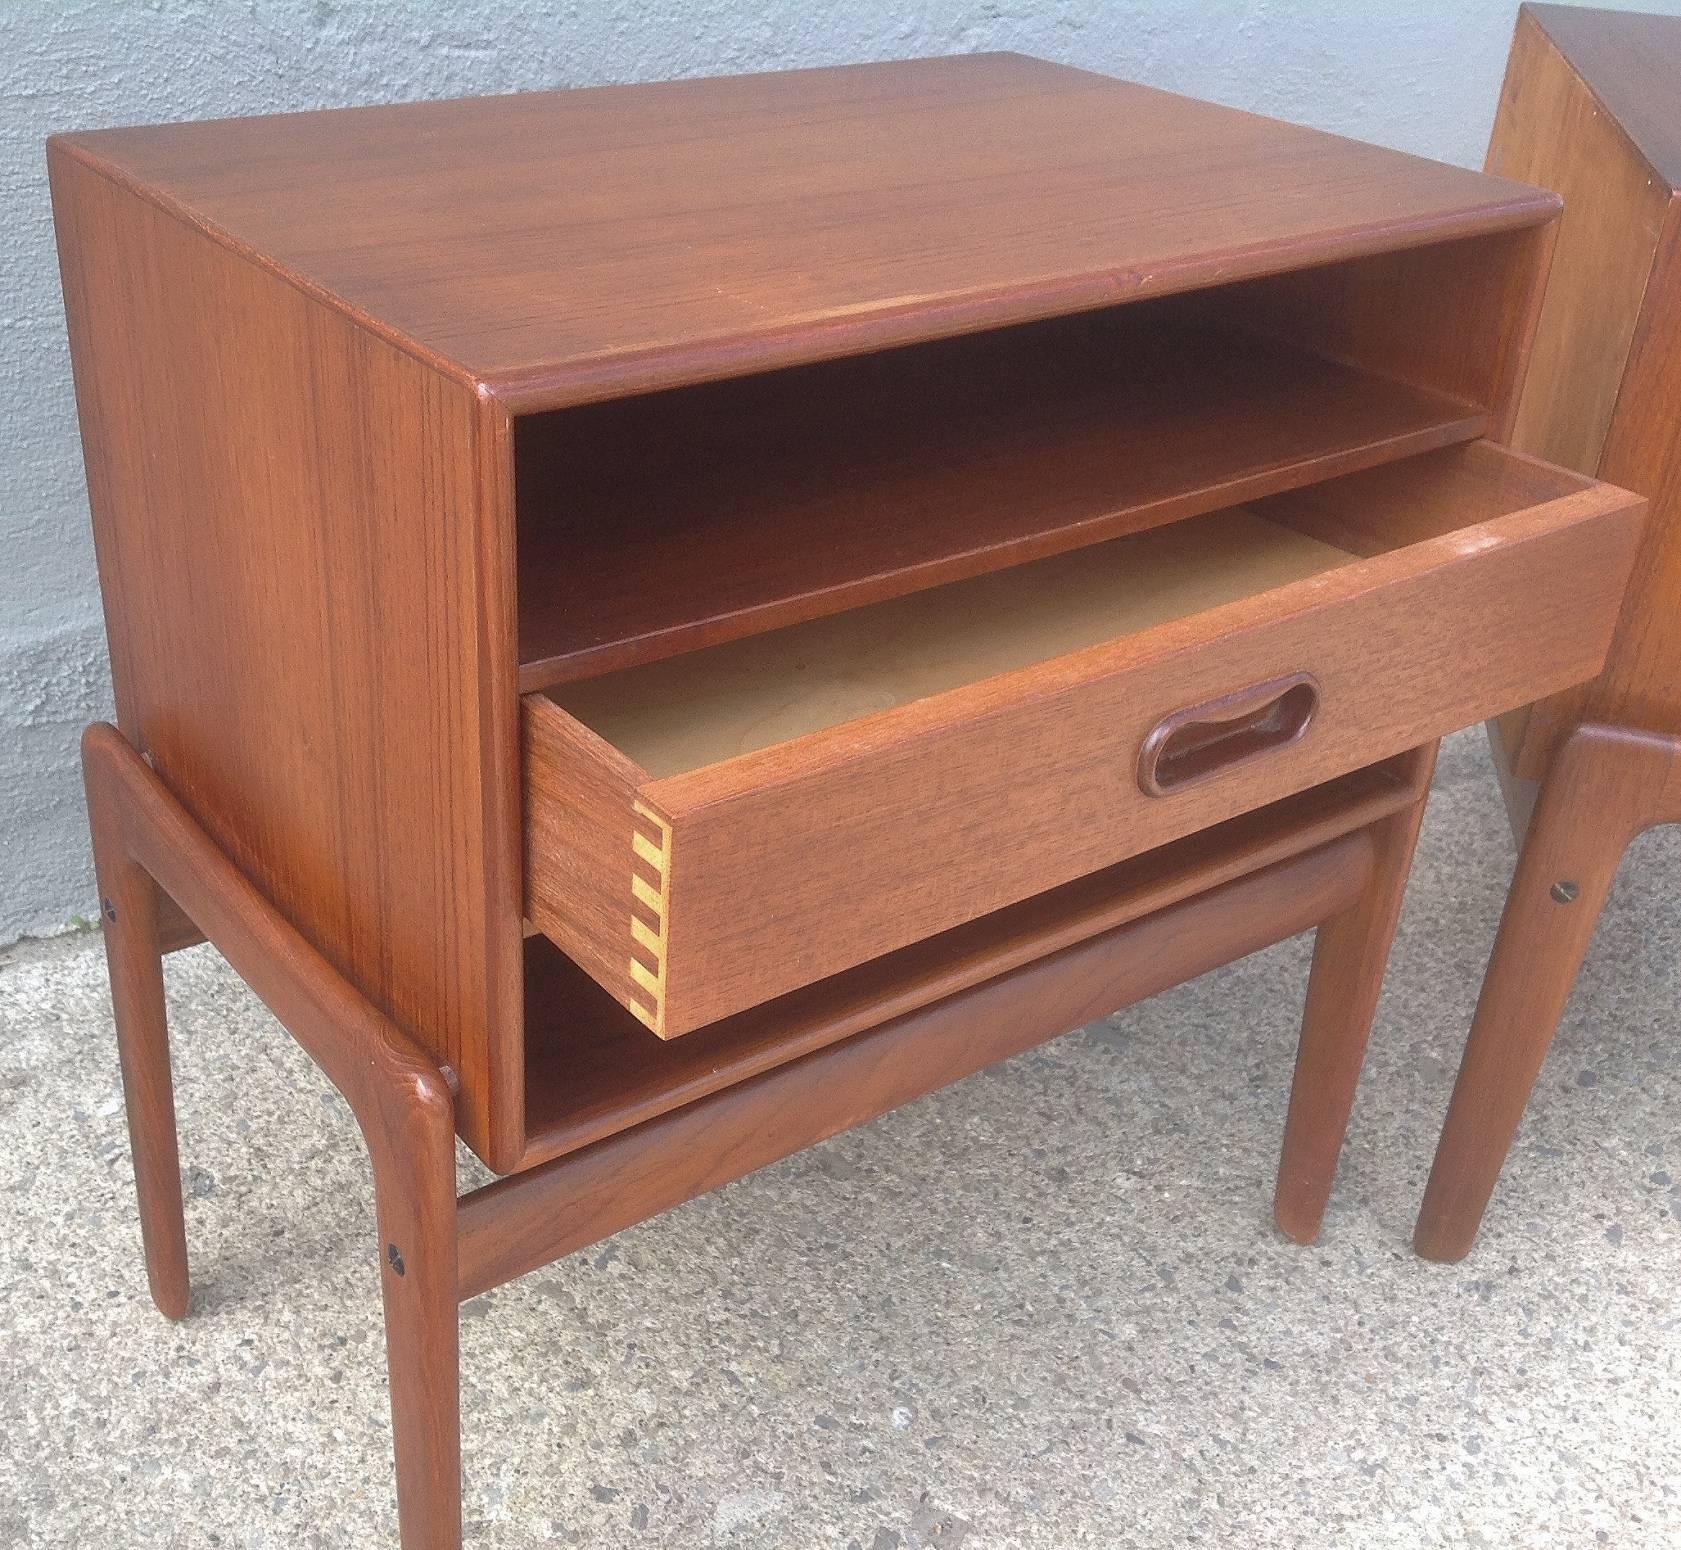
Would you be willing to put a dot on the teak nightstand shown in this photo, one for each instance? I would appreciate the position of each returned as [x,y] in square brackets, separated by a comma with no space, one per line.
[1591,107]
[654,624]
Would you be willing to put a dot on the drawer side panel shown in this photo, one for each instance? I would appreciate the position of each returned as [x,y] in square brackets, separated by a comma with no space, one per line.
[597,859]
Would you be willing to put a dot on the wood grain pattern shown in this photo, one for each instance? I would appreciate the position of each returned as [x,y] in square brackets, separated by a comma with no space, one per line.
[1641,683]
[1007,446]
[518,1223]
[147,840]
[1602,393]
[1350,954]
[286,516]
[921,813]
[340,379]
[581,866]
[593,1070]
[571,245]
[1590,107]
[130,914]
[1454,318]
[1629,60]
[1604,786]
[1457,491]
[375,294]
[684,713]
[1550,129]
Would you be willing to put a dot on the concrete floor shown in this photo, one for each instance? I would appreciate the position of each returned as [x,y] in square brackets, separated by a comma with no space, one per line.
[1042,1310]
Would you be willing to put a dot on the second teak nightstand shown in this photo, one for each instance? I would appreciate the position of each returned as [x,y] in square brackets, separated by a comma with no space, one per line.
[654,624]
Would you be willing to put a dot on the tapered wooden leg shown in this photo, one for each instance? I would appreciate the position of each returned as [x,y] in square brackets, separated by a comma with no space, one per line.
[413,1151]
[148,847]
[129,906]
[1606,784]
[1350,953]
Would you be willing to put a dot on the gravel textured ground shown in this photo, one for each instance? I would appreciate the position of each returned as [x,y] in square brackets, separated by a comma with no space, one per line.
[1042,1310]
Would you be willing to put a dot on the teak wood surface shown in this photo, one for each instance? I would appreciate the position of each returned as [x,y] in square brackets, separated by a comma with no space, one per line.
[925,814]
[1340,860]
[293,520]
[341,328]
[370,399]
[1592,108]
[1009,446]
[592,1069]
[1589,109]
[529,243]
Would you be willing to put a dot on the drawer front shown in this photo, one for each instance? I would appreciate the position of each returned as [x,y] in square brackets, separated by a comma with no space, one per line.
[700,894]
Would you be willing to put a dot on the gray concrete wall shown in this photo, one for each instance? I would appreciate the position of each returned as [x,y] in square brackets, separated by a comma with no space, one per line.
[1418,74]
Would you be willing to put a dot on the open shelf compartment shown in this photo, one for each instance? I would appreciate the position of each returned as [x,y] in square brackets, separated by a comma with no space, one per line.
[806,491]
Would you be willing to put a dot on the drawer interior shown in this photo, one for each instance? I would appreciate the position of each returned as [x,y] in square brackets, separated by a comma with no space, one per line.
[834,631]
[690,821]
[665,522]
[679,714]
[686,712]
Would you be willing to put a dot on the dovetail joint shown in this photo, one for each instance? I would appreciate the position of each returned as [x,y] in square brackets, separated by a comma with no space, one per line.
[650,889]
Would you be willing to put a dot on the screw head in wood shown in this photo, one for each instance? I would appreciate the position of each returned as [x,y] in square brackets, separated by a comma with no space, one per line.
[1565,891]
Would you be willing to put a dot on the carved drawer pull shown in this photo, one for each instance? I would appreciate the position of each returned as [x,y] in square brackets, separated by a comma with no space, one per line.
[1202,741]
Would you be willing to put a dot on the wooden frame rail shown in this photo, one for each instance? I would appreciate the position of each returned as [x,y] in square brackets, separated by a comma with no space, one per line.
[435,1250]
[144,840]
[528,1219]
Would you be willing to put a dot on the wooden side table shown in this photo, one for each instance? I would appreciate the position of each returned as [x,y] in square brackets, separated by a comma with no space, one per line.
[652,625]
[1591,108]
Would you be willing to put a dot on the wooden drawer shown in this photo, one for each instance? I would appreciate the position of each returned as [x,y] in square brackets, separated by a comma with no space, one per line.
[711,830]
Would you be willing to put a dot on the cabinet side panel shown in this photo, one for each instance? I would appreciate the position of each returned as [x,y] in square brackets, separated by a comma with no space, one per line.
[1551,131]
[288,539]
[1641,684]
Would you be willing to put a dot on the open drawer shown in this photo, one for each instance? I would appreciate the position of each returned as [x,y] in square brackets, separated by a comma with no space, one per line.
[714,829]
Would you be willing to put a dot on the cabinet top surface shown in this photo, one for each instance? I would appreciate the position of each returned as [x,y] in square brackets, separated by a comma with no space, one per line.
[568,245]
[1632,63]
